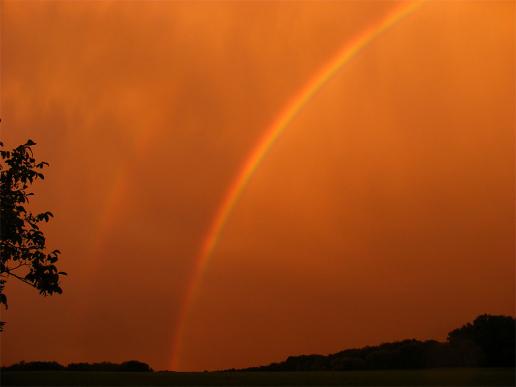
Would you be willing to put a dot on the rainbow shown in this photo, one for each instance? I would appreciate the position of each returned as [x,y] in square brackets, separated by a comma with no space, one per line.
[267,140]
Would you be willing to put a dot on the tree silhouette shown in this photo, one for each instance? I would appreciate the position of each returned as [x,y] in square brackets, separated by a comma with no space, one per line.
[489,341]
[493,336]
[23,253]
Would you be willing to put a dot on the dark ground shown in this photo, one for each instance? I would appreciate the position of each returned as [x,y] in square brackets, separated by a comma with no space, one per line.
[428,377]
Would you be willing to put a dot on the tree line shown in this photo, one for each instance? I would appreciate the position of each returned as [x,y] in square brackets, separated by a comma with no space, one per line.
[127,366]
[489,341]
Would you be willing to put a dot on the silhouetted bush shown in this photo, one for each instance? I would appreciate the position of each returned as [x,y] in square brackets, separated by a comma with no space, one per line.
[135,366]
[36,366]
[128,366]
[102,366]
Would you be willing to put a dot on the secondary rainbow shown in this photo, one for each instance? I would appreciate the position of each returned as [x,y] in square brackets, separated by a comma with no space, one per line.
[267,140]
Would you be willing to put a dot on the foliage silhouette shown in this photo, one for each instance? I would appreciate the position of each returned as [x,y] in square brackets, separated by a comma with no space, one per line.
[468,346]
[492,336]
[487,342]
[36,366]
[127,366]
[23,254]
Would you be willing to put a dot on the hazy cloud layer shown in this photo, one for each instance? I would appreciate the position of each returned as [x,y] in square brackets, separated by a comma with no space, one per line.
[385,211]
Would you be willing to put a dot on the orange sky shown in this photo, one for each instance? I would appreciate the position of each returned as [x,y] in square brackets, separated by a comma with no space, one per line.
[384,211]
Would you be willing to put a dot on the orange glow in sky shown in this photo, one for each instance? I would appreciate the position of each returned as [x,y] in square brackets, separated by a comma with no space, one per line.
[385,210]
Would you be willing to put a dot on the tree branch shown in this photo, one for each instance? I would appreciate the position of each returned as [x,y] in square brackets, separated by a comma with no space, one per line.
[9,269]
[21,279]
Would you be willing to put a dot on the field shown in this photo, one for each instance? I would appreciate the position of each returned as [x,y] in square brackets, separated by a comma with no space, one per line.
[435,377]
